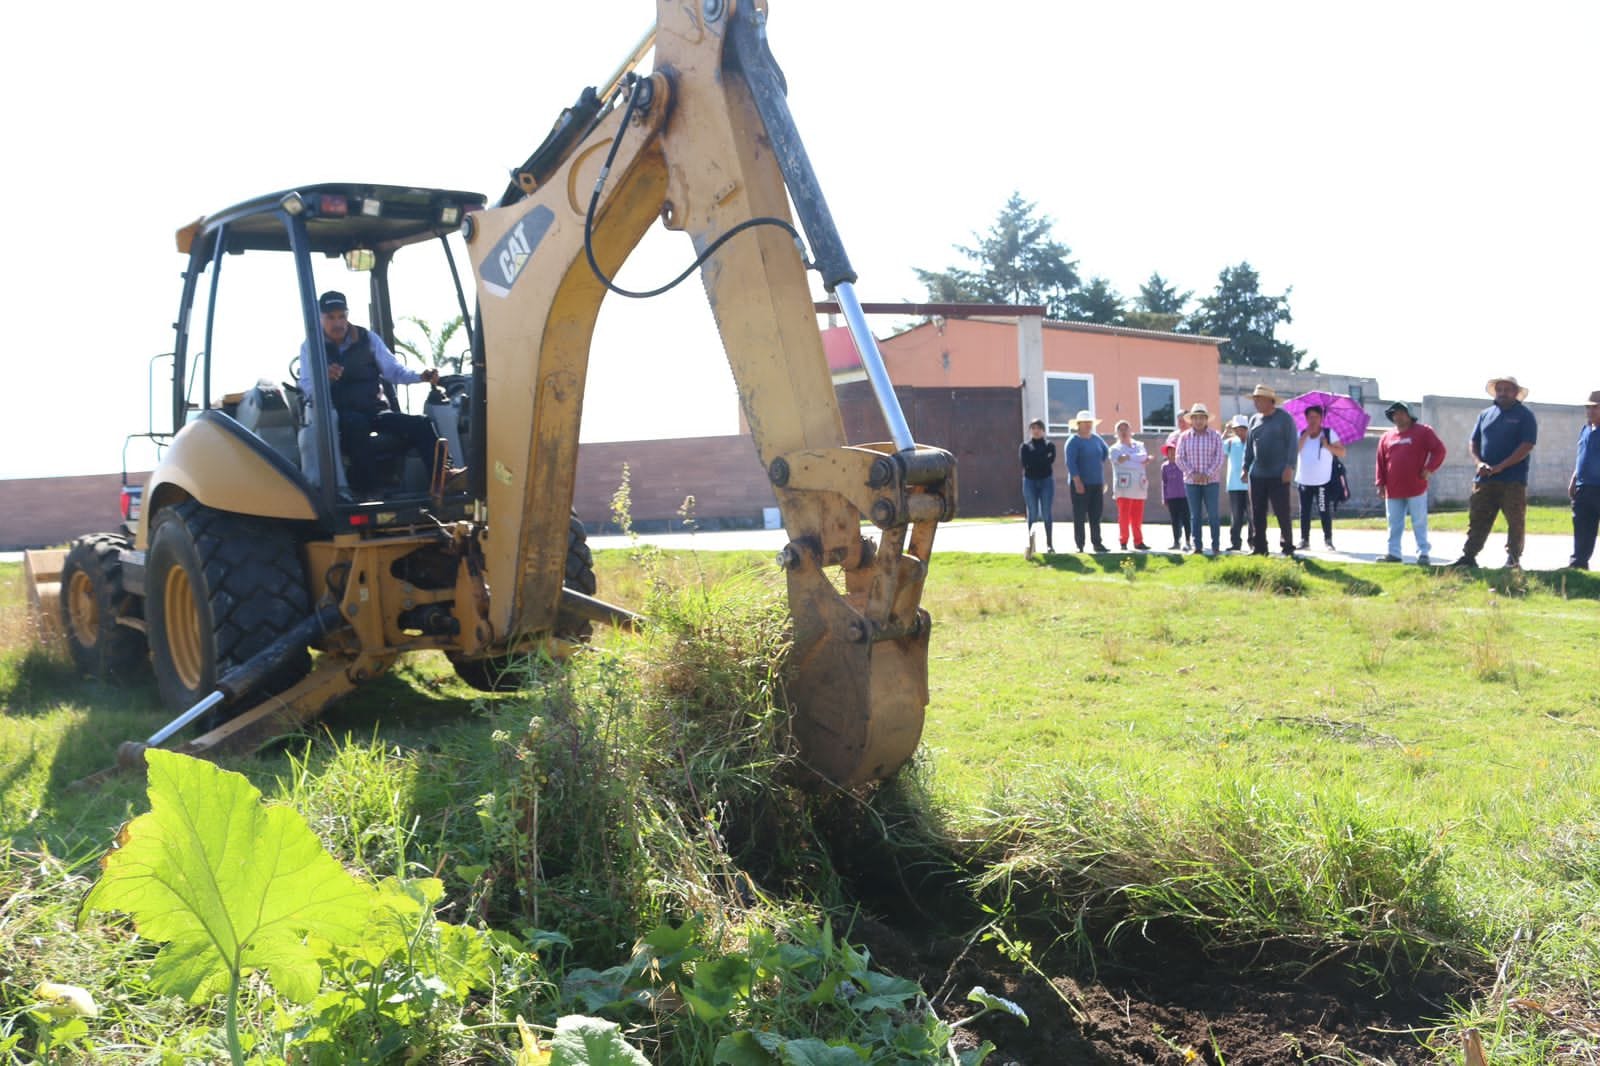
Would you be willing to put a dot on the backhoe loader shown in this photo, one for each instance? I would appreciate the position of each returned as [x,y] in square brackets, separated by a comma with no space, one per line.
[244,550]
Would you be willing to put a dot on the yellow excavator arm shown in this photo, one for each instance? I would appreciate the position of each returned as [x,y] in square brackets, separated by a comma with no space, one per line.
[706,144]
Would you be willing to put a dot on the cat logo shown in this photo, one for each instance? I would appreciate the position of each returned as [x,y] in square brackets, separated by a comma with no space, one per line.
[510,254]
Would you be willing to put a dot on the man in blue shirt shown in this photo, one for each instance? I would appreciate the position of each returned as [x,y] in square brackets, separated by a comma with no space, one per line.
[1584,488]
[1086,466]
[1502,440]
[358,364]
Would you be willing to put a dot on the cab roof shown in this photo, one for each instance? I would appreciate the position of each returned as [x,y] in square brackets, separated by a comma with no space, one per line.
[340,217]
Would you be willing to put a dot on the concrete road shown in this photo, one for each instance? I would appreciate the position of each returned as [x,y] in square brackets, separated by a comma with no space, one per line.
[1354,545]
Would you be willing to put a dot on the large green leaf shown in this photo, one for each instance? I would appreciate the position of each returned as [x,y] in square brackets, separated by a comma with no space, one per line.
[582,1041]
[226,883]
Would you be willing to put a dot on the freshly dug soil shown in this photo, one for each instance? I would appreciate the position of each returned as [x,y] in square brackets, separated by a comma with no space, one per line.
[1167,1008]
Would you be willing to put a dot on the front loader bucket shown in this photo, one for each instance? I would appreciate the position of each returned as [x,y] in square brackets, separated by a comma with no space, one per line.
[41,571]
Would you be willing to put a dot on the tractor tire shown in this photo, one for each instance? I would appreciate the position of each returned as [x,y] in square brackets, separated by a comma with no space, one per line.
[92,599]
[499,673]
[219,588]
[580,560]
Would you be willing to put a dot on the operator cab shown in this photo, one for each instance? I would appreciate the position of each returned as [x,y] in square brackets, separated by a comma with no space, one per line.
[235,362]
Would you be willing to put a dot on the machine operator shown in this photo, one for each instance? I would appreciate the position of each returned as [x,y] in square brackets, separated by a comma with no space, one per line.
[358,364]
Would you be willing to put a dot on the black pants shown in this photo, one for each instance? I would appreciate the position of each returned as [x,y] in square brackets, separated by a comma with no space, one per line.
[1178,513]
[1239,505]
[355,438]
[1585,521]
[1314,500]
[1273,491]
[1088,507]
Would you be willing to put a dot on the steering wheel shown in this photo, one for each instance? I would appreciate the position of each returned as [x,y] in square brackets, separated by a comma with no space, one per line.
[294,370]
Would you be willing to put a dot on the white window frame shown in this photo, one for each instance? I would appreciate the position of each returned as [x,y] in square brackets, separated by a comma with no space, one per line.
[1177,404]
[1056,429]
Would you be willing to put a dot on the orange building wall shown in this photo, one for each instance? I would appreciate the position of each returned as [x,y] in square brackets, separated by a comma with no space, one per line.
[964,353]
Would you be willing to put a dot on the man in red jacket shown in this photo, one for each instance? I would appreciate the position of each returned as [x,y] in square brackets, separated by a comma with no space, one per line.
[1407,457]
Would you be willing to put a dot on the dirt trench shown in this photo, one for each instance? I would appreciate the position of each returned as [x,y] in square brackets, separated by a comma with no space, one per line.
[1160,1009]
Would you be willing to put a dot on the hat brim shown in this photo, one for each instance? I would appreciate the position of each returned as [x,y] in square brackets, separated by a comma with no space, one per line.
[1522,390]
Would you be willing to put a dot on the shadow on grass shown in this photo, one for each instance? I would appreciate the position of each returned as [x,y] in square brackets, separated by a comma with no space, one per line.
[1565,583]
[1351,584]
[404,707]
[1107,562]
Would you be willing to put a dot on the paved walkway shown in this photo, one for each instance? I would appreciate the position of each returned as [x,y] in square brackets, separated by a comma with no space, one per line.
[1355,545]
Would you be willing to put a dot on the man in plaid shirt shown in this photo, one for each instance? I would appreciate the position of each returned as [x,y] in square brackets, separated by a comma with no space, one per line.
[1201,458]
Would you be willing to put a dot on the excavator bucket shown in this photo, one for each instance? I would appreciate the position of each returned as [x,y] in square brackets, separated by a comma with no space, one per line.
[41,571]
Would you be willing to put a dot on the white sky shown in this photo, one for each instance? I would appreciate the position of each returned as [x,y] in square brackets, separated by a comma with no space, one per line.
[1423,175]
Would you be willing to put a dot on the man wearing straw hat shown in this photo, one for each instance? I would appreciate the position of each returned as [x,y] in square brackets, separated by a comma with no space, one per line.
[1086,466]
[1584,488]
[1502,440]
[1201,458]
[1270,449]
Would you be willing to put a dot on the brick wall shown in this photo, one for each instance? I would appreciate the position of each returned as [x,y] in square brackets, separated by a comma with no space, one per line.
[723,474]
[45,511]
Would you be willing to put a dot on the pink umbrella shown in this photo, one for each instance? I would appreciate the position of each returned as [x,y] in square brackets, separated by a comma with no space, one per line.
[1339,413]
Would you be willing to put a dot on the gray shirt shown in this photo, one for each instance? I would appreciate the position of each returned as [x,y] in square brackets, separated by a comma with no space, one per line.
[1271,446]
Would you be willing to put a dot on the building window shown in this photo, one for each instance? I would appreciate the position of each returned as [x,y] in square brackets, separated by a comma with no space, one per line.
[1066,395]
[1158,405]
[1358,394]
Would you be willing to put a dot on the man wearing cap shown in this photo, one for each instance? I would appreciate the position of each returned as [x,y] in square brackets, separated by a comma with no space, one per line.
[1086,466]
[1584,488]
[358,364]
[1200,456]
[1408,455]
[1502,440]
[1270,449]
[1238,487]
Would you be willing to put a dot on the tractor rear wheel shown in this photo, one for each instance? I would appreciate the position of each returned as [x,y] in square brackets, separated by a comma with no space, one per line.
[500,673]
[92,599]
[219,588]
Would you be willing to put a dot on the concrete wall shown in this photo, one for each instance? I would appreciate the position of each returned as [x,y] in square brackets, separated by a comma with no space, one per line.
[1452,417]
[1238,382]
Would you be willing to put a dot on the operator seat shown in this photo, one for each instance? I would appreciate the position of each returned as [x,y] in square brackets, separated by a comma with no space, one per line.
[270,412]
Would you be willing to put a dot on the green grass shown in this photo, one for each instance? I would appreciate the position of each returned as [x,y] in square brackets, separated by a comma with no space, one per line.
[1553,519]
[1391,768]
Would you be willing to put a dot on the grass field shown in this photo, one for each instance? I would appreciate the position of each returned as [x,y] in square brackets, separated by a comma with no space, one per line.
[1390,770]
[1542,518]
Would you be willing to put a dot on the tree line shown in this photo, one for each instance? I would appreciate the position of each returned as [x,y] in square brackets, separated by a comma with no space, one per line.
[1019,260]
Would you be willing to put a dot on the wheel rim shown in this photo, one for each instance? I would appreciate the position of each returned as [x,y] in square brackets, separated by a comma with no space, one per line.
[83,609]
[182,627]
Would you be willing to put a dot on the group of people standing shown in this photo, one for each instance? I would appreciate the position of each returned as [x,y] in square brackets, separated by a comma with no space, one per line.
[1255,463]
[1257,460]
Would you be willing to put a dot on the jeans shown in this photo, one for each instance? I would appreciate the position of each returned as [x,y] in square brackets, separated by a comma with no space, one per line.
[1417,508]
[1314,500]
[1178,511]
[1273,491]
[1039,496]
[1088,507]
[1490,499]
[1204,501]
[1585,521]
[1239,504]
